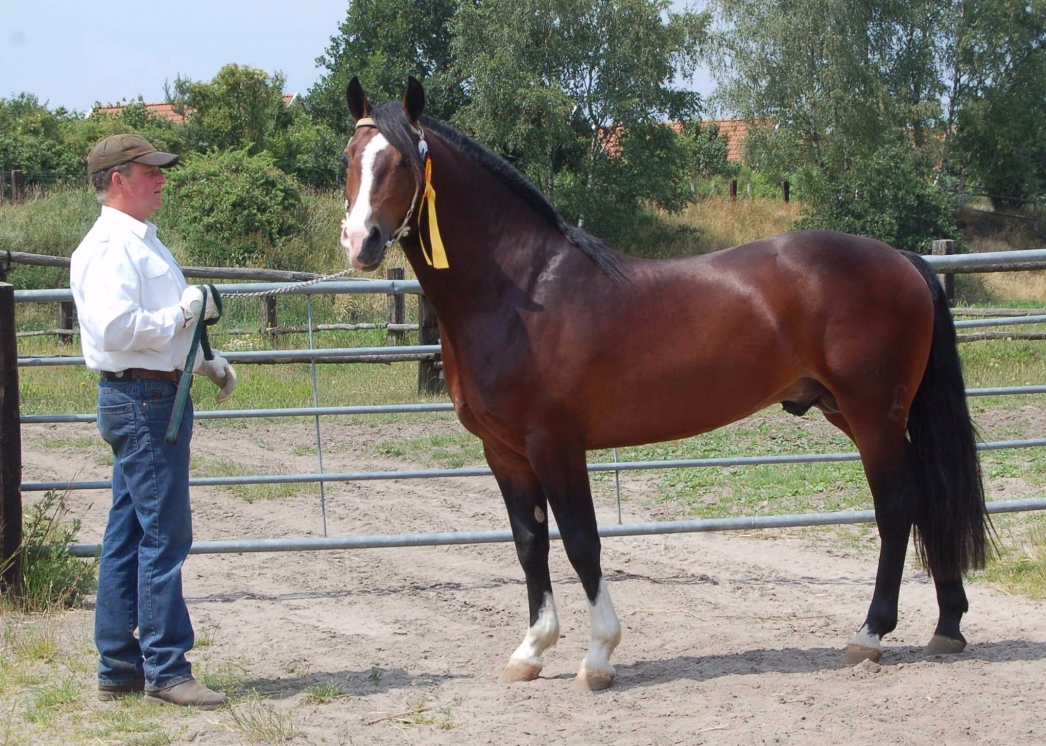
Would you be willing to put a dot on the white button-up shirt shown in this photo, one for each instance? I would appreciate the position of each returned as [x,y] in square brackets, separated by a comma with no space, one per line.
[127,287]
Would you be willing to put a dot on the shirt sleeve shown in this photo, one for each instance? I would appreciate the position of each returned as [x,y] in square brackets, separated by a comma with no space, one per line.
[112,290]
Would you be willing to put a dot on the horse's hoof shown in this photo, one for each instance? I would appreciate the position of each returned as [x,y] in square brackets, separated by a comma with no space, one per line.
[941,645]
[516,671]
[592,681]
[855,654]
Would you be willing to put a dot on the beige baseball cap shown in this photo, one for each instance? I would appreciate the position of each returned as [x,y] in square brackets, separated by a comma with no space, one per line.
[119,149]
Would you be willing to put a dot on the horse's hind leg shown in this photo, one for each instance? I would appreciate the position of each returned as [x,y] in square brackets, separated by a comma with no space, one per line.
[951,600]
[527,511]
[563,473]
[893,492]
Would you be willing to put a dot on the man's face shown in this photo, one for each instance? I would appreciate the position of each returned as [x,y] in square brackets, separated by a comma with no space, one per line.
[140,190]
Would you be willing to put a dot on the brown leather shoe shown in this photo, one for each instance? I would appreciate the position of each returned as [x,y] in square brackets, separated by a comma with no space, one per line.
[189,693]
[110,692]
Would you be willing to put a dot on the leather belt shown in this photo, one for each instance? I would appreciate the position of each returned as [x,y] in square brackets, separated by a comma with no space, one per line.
[134,374]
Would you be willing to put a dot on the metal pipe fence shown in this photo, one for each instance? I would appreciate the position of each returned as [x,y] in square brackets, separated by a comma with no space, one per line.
[1000,261]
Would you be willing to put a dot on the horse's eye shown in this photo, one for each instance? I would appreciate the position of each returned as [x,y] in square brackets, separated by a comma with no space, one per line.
[344,161]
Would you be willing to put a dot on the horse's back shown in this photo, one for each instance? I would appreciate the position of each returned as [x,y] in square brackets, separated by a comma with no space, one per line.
[703,341]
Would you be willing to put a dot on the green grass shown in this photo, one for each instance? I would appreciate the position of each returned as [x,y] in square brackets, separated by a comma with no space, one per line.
[247,492]
[323,693]
[1021,564]
[260,723]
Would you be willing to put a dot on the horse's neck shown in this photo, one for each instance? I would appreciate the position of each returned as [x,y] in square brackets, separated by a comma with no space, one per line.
[496,245]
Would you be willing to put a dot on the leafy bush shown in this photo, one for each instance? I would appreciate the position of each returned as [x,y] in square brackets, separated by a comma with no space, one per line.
[887,195]
[51,577]
[310,151]
[229,208]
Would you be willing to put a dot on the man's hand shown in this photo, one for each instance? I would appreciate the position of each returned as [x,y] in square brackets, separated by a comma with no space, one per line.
[192,304]
[221,374]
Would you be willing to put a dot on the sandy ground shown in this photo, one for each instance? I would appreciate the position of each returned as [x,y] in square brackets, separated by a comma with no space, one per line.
[728,639]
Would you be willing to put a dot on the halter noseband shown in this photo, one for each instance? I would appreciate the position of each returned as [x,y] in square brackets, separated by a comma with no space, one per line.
[423,149]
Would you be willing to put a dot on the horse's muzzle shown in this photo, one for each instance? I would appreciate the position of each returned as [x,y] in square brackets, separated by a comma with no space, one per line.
[364,252]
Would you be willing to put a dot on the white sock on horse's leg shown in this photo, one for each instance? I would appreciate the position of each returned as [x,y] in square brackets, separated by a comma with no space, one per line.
[596,672]
[525,664]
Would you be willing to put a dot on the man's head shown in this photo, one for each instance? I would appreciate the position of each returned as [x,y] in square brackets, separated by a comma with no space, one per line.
[125,171]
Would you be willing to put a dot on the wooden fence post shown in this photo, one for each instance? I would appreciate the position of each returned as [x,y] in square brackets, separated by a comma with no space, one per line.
[17,185]
[268,311]
[430,378]
[733,190]
[65,321]
[785,187]
[946,247]
[10,449]
[397,310]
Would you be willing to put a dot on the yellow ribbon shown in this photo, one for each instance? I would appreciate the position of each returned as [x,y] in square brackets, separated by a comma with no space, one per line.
[439,254]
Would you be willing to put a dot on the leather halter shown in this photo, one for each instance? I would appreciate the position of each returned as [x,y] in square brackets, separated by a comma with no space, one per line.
[423,149]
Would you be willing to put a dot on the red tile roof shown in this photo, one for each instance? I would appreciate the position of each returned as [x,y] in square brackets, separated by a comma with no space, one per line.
[734,130]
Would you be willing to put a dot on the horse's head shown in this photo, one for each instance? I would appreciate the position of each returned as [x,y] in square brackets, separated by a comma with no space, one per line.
[383,179]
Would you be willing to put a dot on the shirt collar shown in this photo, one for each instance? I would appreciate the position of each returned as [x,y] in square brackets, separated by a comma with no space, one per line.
[125,221]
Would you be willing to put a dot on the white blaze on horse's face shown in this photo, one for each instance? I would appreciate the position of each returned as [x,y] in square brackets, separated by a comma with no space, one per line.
[357,225]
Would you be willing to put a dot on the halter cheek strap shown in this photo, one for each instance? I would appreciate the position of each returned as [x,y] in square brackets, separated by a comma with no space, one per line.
[439,253]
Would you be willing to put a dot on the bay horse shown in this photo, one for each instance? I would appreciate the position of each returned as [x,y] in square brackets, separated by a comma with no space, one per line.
[554,345]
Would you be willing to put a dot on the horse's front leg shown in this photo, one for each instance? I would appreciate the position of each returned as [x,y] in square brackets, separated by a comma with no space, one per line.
[564,475]
[528,515]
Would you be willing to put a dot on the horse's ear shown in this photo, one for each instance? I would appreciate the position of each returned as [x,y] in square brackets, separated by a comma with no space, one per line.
[413,100]
[359,106]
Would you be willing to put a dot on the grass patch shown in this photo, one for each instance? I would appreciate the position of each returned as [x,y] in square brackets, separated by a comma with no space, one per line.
[247,492]
[51,577]
[1021,564]
[262,724]
[323,693]
[448,451]
[421,712]
[227,676]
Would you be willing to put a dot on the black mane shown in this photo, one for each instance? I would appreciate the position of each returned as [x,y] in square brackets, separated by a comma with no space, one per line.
[393,124]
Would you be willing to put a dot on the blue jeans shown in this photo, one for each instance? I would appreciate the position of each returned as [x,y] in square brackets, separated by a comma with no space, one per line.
[146,539]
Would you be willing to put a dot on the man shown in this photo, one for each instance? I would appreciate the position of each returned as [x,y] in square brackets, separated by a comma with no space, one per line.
[137,318]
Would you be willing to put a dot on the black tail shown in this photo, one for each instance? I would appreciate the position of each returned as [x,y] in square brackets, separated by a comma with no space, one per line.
[951,521]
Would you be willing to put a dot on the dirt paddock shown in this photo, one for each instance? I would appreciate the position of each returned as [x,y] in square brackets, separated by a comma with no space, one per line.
[727,638]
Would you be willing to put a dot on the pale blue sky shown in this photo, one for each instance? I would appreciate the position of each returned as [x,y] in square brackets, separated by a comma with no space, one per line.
[73,53]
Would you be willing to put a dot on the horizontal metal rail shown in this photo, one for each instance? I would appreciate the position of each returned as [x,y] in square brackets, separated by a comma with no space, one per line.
[333,354]
[997,261]
[1000,321]
[232,414]
[369,476]
[308,543]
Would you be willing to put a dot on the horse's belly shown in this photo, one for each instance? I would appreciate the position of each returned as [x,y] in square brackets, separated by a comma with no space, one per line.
[663,411]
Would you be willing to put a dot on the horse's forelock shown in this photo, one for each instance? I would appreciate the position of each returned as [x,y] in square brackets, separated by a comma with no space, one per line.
[392,123]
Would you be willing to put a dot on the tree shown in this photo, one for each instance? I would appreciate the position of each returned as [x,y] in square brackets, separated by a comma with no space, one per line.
[817,70]
[963,80]
[241,108]
[887,195]
[994,62]
[32,141]
[383,42]
[569,90]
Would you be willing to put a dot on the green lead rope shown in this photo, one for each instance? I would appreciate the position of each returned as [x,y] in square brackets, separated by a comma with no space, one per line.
[199,337]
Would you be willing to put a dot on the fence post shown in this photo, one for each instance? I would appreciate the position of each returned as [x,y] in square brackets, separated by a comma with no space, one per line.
[17,185]
[430,375]
[268,310]
[946,247]
[397,311]
[733,190]
[785,186]
[10,449]
[65,321]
